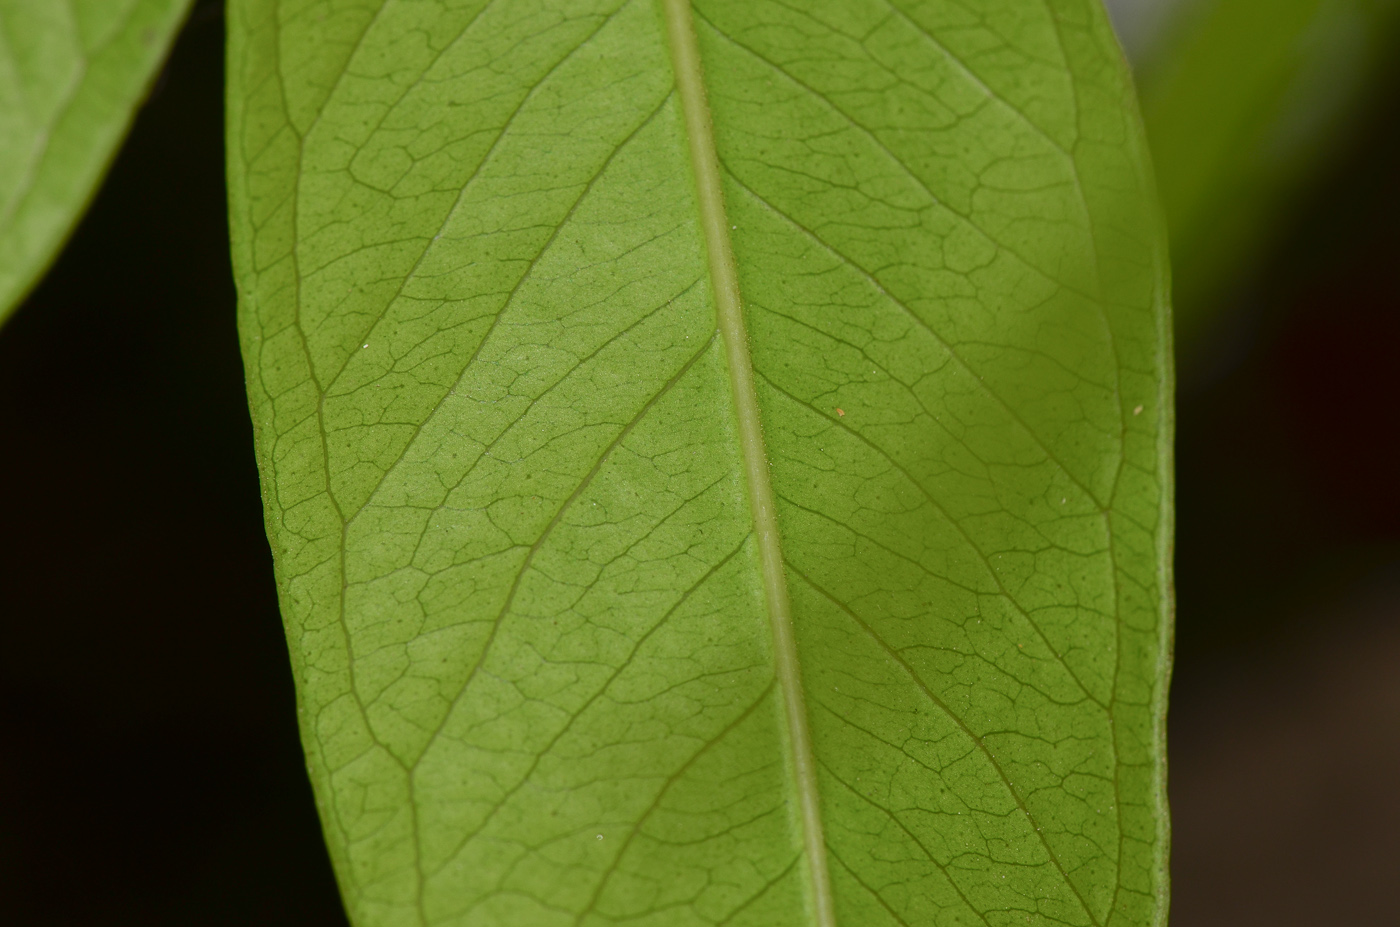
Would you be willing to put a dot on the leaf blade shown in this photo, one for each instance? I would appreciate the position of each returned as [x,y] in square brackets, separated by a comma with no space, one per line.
[1020,413]
[504,474]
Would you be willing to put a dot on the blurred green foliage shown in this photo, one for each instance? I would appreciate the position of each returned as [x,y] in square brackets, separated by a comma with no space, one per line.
[71,78]
[1246,101]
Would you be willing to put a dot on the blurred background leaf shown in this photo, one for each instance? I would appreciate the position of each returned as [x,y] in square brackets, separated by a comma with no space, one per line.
[1247,102]
[71,77]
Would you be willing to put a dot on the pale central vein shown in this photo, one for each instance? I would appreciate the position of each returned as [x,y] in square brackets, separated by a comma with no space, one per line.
[685,57]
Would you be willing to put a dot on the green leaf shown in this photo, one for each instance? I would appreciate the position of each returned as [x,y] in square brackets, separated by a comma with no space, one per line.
[1244,101]
[605,611]
[71,76]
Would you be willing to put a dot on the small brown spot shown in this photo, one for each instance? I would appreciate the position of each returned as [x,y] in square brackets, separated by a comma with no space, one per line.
[841,413]
[1138,410]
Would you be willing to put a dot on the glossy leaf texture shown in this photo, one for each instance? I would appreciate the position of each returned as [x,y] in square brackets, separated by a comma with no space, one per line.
[612,602]
[72,73]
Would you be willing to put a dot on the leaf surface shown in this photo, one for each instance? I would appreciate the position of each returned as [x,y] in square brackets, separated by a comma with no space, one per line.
[717,461]
[71,76]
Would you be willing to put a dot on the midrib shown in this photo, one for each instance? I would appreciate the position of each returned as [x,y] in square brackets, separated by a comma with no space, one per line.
[685,59]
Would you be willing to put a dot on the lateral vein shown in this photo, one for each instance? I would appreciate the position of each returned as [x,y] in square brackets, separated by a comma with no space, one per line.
[685,58]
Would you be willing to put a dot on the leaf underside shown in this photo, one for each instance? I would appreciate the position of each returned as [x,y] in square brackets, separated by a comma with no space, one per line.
[512,490]
[71,76]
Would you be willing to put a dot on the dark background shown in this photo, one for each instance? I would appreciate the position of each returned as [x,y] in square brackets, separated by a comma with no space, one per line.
[151,772]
